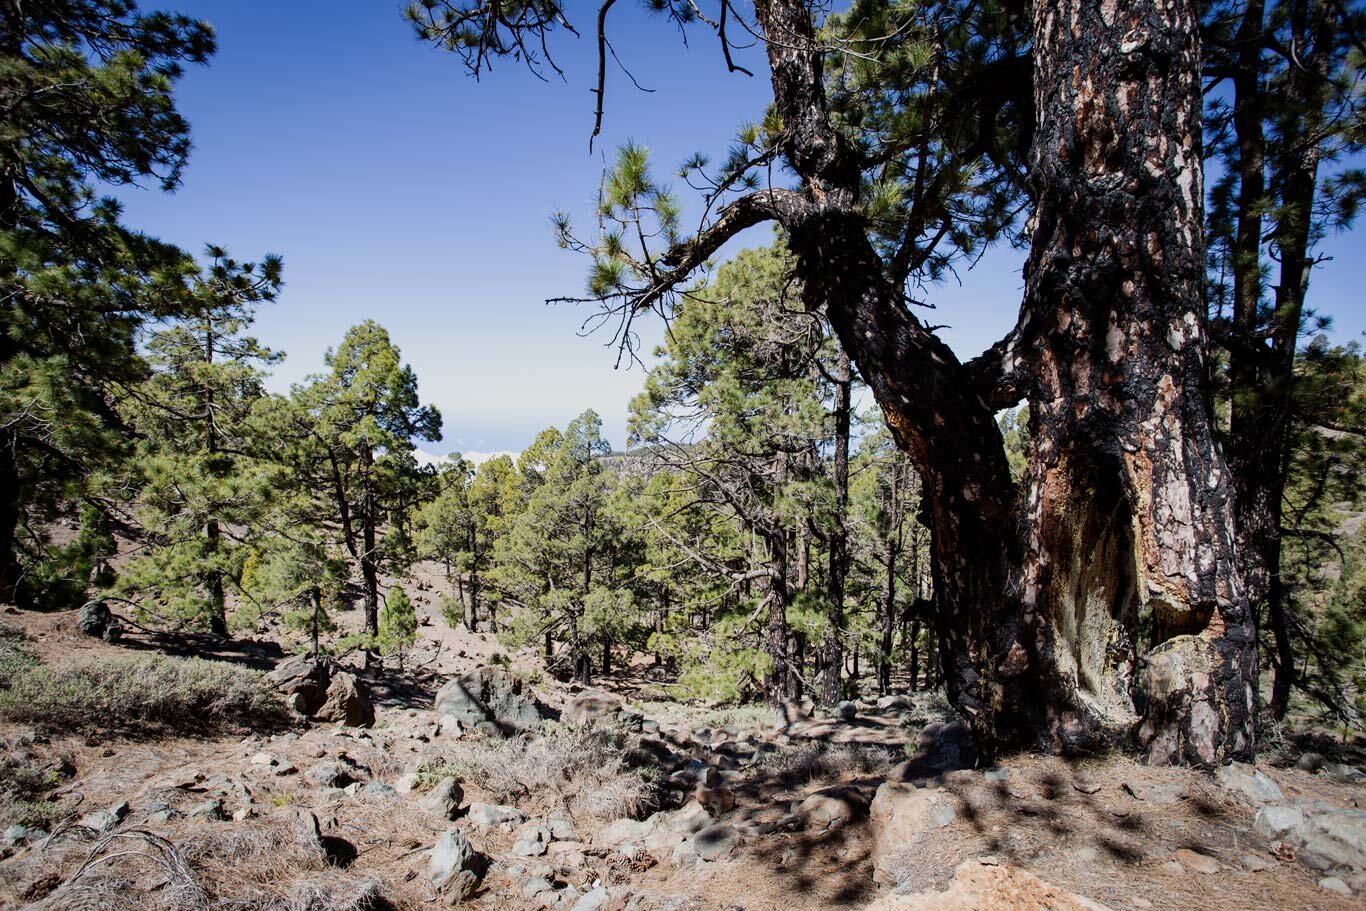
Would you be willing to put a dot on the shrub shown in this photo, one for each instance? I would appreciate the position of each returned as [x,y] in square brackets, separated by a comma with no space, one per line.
[584,770]
[138,691]
[15,655]
[24,782]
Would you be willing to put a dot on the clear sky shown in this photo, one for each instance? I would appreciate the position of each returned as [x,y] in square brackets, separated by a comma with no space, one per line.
[397,188]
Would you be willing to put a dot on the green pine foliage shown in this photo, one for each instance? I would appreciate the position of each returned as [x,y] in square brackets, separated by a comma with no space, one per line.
[87,89]
[397,624]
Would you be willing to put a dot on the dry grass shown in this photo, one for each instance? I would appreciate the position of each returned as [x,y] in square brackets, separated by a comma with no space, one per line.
[130,693]
[818,760]
[582,770]
[273,864]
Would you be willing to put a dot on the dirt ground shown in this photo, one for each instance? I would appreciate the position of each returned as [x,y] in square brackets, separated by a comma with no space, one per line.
[1107,829]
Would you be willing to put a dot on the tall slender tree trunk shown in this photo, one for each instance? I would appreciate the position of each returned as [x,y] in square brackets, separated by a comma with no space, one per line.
[10,569]
[839,537]
[1262,356]
[884,658]
[218,614]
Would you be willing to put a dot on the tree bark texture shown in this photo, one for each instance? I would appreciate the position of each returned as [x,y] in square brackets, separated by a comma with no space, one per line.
[1129,542]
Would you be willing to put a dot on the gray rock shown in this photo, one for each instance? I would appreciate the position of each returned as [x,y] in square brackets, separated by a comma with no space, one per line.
[106,819]
[592,707]
[894,704]
[379,790]
[535,886]
[209,809]
[94,618]
[832,807]
[1250,782]
[453,866]
[716,842]
[531,841]
[845,711]
[488,815]
[347,702]
[593,901]
[996,774]
[444,799]
[1333,884]
[333,773]
[942,746]
[490,699]
[303,681]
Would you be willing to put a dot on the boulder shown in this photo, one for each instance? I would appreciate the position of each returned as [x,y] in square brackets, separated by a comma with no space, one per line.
[1251,783]
[831,808]
[94,618]
[592,707]
[106,819]
[531,841]
[716,842]
[453,866]
[333,773]
[444,799]
[942,746]
[979,885]
[899,817]
[846,711]
[1326,836]
[347,702]
[894,704]
[489,697]
[488,815]
[593,900]
[302,681]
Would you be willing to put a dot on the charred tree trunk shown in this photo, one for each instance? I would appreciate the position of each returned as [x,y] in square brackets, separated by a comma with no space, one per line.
[1129,504]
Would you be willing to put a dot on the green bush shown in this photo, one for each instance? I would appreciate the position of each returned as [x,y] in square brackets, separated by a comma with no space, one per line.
[138,691]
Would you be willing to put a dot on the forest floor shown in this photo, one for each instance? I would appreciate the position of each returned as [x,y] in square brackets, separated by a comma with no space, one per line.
[233,809]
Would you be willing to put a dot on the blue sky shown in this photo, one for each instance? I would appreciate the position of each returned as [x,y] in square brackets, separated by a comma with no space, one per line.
[398,188]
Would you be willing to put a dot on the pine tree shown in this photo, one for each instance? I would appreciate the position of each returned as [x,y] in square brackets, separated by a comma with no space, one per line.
[200,493]
[87,91]
[348,438]
[397,625]
[555,562]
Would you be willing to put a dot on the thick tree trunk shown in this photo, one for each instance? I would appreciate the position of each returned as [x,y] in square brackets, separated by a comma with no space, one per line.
[1127,518]
[1129,506]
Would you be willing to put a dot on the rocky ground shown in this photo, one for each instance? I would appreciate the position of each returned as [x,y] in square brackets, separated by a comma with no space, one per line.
[461,782]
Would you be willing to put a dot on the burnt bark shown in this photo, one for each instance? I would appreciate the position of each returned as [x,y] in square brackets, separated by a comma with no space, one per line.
[1129,503]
